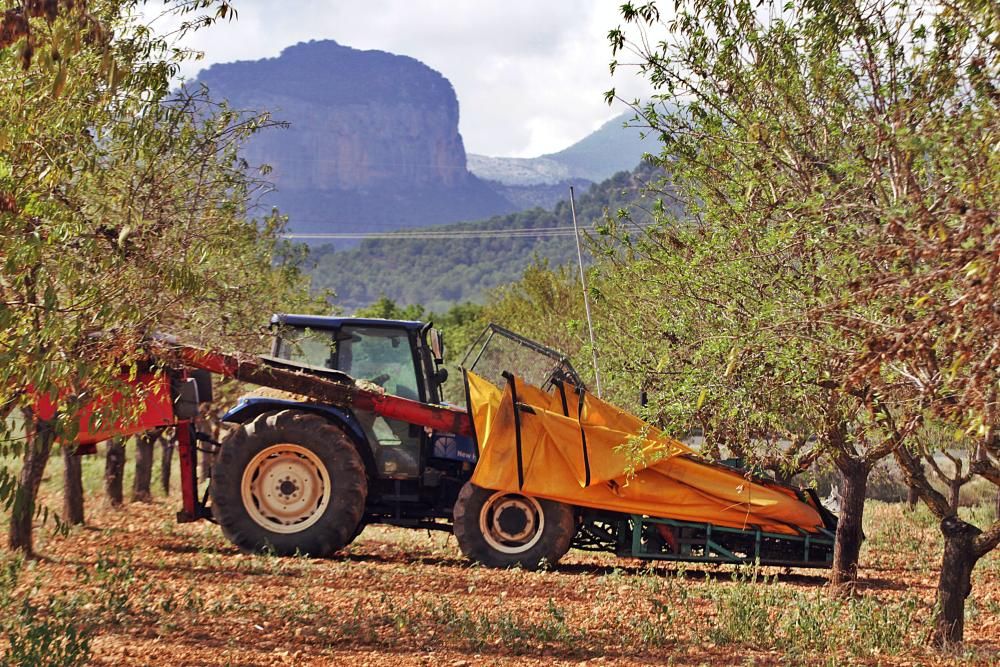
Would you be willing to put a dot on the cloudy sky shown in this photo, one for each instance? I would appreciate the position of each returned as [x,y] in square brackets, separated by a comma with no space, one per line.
[530,75]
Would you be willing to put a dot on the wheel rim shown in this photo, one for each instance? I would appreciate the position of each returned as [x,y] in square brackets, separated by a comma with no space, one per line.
[285,488]
[511,523]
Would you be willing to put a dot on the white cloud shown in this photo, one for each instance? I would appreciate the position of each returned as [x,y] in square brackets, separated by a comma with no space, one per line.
[529,75]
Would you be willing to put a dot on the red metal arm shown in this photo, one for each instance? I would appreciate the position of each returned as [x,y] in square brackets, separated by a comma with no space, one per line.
[437,417]
[342,394]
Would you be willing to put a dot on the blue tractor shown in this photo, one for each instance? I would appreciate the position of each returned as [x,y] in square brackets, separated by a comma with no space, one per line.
[302,476]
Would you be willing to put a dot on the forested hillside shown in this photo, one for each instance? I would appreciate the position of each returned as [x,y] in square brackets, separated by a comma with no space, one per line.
[447,264]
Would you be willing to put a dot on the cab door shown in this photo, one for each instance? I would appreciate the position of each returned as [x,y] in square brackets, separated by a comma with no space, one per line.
[386,357]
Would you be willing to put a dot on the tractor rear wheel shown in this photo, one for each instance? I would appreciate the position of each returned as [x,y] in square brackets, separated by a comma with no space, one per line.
[501,529]
[290,482]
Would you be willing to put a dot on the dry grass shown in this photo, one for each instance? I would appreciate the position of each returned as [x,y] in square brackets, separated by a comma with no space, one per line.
[147,591]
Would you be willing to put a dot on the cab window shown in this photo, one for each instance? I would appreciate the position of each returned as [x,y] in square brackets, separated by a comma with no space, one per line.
[382,356]
[308,346]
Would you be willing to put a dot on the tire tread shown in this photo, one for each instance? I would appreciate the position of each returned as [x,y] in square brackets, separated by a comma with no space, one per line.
[557,535]
[347,502]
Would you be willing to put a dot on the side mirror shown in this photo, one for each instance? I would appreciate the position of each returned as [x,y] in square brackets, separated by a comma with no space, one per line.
[436,340]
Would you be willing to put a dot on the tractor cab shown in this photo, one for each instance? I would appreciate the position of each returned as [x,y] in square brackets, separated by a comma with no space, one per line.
[412,470]
[398,355]
[402,357]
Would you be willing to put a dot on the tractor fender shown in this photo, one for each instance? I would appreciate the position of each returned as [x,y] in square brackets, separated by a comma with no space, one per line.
[249,408]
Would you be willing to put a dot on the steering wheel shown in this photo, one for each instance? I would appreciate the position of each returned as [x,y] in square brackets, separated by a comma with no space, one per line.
[381,379]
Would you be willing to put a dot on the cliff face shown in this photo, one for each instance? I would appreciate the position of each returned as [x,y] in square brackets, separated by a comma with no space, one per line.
[372,141]
[359,146]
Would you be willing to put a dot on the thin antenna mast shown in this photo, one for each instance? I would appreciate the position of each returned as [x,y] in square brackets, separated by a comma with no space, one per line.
[583,285]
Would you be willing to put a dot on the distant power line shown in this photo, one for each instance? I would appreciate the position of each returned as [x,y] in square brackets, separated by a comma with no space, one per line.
[537,232]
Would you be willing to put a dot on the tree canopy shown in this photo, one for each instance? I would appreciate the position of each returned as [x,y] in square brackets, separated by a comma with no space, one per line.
[831,274]
[125,209]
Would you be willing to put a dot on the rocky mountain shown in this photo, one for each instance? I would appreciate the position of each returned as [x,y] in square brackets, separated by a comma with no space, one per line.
[545,180]
[372,141]
[615,146]
[519,171]
[611,148]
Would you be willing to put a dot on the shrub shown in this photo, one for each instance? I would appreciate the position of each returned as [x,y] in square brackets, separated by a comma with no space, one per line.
[753,610]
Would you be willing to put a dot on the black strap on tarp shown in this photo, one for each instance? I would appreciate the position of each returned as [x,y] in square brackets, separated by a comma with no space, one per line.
[562,395]
[583,437]
[517,429]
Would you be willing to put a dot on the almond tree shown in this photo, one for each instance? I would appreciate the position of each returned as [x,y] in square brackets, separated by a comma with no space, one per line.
[124,209]
[708,319]
[936,274]
[766,113]
[838,161]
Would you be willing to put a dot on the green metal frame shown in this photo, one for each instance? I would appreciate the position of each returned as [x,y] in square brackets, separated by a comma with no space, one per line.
[716,552]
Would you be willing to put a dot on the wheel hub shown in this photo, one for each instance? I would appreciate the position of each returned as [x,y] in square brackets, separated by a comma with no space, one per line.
[285,488]
[511,523]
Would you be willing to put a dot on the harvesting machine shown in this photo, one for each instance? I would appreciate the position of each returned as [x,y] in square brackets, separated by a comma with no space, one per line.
[349,428]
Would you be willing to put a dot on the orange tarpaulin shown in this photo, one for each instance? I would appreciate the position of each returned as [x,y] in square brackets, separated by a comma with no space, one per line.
[574,448]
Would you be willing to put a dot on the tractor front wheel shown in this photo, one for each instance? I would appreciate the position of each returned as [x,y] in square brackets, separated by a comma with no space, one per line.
[501,529]
[290,482]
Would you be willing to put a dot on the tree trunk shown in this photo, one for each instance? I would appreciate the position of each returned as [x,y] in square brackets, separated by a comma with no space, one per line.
[114,472]
[166,461]
[144,451]
[911,498]
[20,536]
[955,581]
[206,459]
[72,486]
[954,494]
[847,548]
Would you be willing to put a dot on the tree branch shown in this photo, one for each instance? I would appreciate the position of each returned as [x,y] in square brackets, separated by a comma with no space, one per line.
[915,477]
[986,470]
[988,541]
